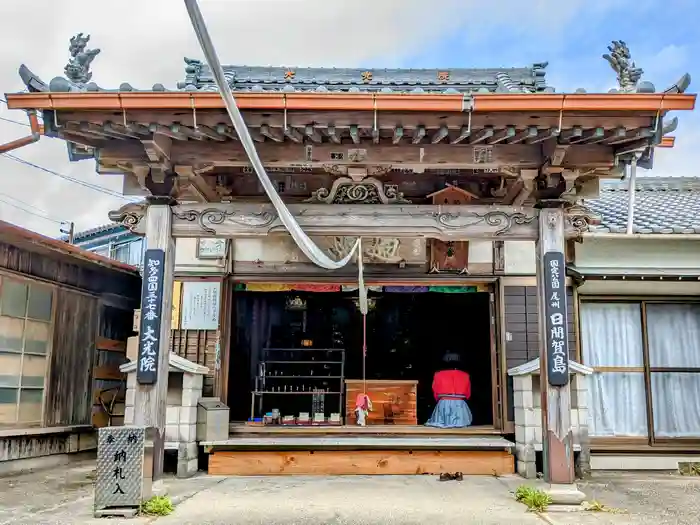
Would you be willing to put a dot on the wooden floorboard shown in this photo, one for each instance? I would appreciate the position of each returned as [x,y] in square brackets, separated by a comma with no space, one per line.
[363,462]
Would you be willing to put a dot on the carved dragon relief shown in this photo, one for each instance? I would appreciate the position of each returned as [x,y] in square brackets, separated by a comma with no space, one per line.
[246,220]
[374,249]
[216,216]
[345,190]
[504,221]
[579,219]
[129,215]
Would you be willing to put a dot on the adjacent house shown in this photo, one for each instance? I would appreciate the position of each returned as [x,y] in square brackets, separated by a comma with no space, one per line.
[639,323]
[114,242]
[65,315]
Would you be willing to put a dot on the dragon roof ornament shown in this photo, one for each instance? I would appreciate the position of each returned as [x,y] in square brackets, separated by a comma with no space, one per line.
[629,75]
[270,79]
[78,68]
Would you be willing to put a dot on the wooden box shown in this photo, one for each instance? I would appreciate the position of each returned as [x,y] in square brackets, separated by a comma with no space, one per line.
[393,402]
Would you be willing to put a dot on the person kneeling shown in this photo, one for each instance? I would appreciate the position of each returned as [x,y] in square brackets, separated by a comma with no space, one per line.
[451,388]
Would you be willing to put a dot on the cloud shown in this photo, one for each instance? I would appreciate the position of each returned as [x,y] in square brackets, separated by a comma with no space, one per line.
[143,42]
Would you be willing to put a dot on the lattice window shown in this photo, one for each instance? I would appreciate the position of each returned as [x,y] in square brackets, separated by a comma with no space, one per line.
[25,335]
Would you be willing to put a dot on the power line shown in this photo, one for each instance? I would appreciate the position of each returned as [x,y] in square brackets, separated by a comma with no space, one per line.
[94,187]
[27,204]
[30,212]
[15,122]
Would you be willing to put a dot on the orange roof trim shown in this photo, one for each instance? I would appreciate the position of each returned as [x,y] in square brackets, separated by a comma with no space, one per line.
[482,102]
[667,142]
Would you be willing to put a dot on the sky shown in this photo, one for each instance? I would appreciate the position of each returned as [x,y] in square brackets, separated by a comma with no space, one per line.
[144,42]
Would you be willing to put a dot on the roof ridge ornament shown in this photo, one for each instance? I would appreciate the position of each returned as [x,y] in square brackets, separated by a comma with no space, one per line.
[620,59]
[78,68]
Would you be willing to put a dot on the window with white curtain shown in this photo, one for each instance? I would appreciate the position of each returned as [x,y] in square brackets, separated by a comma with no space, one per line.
[136,253]
[674,359]
[613,344]
[102,250]
[611,338]
[120,252]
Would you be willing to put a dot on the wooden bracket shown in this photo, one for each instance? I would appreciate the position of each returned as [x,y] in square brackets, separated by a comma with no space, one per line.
[528,180]
[197,183]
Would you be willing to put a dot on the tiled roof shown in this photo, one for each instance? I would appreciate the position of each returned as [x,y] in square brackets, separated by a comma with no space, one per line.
[198,77]
[662,205]
[105,228]
[243,78]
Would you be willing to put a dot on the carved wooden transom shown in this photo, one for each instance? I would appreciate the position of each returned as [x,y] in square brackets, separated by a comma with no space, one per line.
[367,191]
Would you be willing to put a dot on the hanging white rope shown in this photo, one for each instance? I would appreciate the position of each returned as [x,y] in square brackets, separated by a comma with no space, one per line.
[310,249]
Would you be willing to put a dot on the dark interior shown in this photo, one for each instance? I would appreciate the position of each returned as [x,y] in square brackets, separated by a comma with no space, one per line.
[407,335]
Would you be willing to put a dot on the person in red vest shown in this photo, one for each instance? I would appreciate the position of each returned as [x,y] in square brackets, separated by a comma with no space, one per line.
[451,388]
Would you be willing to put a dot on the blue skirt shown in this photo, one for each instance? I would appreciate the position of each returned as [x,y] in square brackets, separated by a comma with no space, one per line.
[450,413]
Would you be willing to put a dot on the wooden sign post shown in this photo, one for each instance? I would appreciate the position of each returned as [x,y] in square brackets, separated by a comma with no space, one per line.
[154,340]
[557,439]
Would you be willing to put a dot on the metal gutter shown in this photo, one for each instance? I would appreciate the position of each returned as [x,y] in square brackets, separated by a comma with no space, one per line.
[483,102]
[632,194]
[37,131]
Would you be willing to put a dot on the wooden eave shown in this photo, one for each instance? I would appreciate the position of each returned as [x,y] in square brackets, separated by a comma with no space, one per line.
[31,241]
[480,102]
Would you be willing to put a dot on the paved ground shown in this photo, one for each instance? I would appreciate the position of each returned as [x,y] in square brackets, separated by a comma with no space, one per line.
[64,496]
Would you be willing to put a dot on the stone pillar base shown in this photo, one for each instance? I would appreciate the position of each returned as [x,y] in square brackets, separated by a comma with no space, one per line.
[187,459]
[526,457]
[565,494]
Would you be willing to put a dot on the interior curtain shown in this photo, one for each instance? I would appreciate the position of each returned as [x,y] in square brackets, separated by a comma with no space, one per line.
[674,341]
[611,335]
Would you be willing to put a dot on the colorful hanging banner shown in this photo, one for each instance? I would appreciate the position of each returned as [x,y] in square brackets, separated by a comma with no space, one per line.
[453,289]
[268,287]
[405,289]
[239,287]
[315,287]
[354,288]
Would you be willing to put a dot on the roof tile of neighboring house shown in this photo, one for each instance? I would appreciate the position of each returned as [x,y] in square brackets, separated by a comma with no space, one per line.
[97,230]
[662,205]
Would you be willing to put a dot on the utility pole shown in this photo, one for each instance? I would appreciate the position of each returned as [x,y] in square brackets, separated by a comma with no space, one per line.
[68,228]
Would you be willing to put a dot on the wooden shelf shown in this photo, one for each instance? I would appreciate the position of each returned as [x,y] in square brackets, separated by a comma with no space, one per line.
[319,393]
[303,362]
[303,377]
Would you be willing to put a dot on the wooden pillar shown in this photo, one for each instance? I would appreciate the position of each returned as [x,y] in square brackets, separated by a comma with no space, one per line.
[151,399]
[557,438]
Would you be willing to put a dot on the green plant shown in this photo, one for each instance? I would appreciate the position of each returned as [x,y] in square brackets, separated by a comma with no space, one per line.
[689,469]
[157,506]
[534,499]
[597,506]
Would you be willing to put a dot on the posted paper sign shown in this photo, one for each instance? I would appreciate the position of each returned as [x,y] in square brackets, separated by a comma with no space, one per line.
[200,305]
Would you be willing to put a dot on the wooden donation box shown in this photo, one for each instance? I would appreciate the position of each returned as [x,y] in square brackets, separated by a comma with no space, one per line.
[393,402]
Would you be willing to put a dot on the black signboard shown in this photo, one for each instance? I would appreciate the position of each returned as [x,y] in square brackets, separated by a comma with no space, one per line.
[556,337]
[151,314]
